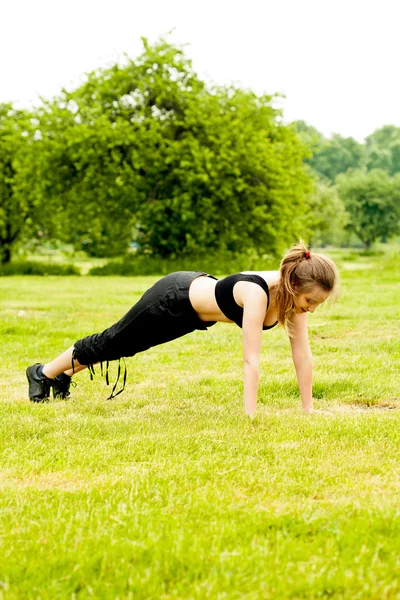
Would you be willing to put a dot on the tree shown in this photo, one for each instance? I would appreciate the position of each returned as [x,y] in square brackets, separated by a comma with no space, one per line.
[14,207]
[383,148]
[329,157]
[230,178]
[309,135]
[328,214]
[147,147]
[372,200]
[337,155]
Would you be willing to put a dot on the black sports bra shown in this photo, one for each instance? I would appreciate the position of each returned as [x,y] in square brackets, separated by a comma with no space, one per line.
[226,301]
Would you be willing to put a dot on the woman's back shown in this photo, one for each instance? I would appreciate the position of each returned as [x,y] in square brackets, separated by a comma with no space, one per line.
[202,295]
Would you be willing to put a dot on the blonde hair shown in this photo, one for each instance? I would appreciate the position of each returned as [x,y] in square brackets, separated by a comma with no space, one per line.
[300,271]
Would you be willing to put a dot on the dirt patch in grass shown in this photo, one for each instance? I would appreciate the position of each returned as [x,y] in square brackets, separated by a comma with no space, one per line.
[376,407]
[372,405]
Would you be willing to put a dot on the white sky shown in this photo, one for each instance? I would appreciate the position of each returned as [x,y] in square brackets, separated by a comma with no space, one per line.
[336,61]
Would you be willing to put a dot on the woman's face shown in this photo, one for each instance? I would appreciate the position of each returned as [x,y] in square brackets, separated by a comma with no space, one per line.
[309,301]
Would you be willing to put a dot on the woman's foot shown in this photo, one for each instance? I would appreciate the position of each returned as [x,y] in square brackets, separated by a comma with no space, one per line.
[61,385]
[39,384]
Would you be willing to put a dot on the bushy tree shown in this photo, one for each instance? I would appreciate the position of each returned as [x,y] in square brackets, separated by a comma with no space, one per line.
[147,147]
[372,200]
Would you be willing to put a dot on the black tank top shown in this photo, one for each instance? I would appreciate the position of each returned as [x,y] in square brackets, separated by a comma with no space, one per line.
[226,301]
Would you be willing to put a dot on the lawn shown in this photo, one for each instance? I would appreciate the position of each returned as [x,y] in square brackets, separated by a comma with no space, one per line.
[170,491]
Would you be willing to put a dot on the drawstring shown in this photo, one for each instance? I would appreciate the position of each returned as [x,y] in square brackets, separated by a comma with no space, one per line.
[112,395]
[92,373]
[101,371]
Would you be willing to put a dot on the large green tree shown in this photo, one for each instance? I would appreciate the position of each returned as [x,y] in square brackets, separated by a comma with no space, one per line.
[147,150]
[372,200]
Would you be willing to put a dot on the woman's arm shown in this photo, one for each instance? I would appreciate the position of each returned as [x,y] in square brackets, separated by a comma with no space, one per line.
[255,306]
[302,359]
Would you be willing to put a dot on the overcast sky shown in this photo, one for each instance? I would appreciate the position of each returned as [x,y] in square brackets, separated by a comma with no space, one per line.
[337,62]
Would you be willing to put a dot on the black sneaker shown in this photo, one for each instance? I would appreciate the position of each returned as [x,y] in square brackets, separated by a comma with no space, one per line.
[39,385]
[61,385]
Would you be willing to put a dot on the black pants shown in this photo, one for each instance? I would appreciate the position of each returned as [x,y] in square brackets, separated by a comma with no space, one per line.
[162,314]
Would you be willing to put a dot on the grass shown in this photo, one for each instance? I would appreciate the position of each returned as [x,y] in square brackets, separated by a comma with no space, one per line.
[168,491]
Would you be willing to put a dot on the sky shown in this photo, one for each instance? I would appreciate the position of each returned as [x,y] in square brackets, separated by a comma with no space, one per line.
[335,61]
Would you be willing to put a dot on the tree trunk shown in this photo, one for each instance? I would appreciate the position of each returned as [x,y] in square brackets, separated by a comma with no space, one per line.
[367,244]
[5,254]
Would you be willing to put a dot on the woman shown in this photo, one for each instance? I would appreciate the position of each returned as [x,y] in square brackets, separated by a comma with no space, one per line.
[182,302]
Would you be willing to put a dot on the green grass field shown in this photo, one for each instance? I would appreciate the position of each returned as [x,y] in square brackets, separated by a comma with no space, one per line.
[169,491]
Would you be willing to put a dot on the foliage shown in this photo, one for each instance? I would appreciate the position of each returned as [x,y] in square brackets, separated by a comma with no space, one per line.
[375,212]
[328,214]
[384,149]
[219,263]
[332,156]
[309,135]
[337,155]
[15,209]
[36,268]
[146,151]
[372,200]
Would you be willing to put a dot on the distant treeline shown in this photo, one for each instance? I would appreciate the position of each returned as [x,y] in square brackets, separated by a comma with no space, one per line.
[147,155]
[357,185]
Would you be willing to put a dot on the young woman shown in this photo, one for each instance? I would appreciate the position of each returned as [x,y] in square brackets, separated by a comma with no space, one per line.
[182,302]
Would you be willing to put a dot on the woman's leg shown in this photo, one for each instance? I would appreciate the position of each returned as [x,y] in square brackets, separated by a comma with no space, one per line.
[55,376]
[164,313]
[63,364]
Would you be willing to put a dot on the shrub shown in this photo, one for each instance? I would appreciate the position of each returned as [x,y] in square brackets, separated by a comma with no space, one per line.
[37,268]
[216,264]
